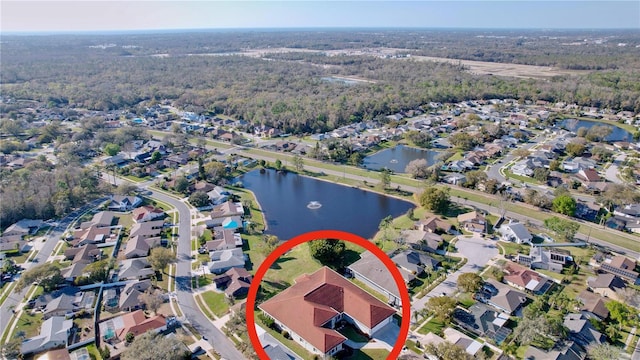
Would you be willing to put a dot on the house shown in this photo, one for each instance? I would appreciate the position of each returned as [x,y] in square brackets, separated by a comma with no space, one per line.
[433,224]
[135,269]
[568,350]
[514,231]
[463,341]
[91,235]
[203,186]
[581,331]
[588,176]
[573,165]
[224,239]
[100,219]
[85,254]
[227,209]
[224,260]
[23,227]
[523,279]
[13,242]
[123,203]
[371,271]
[502,297]
[621,266]
[146,213]
[606,285]
[593,305]
[130,295]
[546,258]
[115,329]
[415,262]
[147,229]
[422,240]
[522,168]
[455,179]
[62,305]
[235,282]
[139,246]
[483,321]
[473,221]
[627,211]
[317,303]
[54,332]
[218,195]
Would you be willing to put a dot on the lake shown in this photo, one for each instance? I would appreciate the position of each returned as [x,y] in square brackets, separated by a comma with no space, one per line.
[617,134]
[398,157]
[286,200]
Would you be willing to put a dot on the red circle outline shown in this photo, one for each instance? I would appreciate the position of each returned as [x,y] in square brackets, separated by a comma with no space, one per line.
[328,234]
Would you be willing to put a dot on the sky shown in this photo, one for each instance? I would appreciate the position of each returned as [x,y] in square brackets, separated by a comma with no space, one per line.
[90,15]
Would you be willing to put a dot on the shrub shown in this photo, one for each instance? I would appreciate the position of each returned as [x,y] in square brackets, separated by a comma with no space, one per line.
[286,335]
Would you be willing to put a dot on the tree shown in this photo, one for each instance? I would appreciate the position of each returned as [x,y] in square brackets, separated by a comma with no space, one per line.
[462,141]
[152,346]
[181,185]
[129,337]
[160,257]
[125,188]
[202,174]
[475,177]
[385,178]
[417,168]
[47,275]
[541,174]
[566,229]
[215,171]
[620,313]
[447,351]
[575,149]
[469,282]
[11,348]
[598,132]
[152,299]
[384,226]
[564,204]
[327,251]
[104,351]
[435,199]
[155,157]
[355,159]
[531,329]
[604,352]
[199,199]
[442,307]
[271,242]
[554,165]
[418,138]
[298,163]
[278,164]
[111,149]
[521,152]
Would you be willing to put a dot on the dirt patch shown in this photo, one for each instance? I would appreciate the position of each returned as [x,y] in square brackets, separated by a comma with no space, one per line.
[503,69]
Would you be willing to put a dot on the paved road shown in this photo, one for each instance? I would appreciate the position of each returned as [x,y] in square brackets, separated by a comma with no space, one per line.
[184,293]
[478,252]
[46,250]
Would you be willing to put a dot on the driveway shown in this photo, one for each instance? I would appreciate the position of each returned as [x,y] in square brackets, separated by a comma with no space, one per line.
[478,252]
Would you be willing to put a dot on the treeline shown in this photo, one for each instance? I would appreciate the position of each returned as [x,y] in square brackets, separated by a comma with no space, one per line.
[40,192]
[288,90]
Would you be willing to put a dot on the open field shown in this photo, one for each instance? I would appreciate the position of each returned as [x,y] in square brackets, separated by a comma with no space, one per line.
[503,69]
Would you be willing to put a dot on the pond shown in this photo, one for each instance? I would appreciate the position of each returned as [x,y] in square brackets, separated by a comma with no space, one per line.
[397,158]
[617,133]
[294,204]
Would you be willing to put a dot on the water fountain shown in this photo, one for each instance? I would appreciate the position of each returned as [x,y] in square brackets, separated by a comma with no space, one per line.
[313,205]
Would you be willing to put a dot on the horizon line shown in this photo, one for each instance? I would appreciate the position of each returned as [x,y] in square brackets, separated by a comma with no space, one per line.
[314,28]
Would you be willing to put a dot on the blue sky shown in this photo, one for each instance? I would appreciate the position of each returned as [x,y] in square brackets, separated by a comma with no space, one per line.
[88,15]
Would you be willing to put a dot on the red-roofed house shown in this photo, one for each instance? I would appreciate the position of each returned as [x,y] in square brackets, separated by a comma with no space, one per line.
[138,324]
[146,213]
[311,309]
[524,279]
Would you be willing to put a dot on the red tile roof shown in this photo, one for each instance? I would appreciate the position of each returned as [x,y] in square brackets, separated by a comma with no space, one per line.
[317,298]
[138,324]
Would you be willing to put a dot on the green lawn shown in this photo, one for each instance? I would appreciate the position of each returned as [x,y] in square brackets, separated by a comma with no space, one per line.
[216,302]
[366,288]
[513,248]
[125,220]
[352,334]
[294,346]
[433,326]
[28,324]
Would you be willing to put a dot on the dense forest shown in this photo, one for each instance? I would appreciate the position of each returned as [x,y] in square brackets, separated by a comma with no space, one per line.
[199,71]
